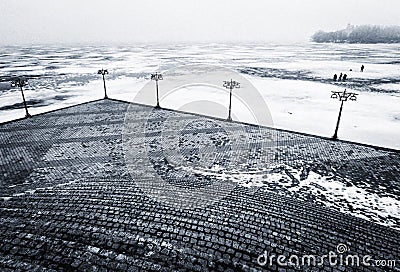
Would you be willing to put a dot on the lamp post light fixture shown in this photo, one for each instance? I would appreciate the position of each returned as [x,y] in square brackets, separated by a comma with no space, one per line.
[157,77]
[342,96]
[21,82]
[231,85]
[103,73]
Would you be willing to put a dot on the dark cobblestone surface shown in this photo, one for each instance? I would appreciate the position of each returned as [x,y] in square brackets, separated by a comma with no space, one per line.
[69,203]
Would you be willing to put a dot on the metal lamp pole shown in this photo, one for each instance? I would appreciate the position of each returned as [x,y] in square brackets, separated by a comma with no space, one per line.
[104,72]
[21,82]
[157,77]
[231,85]
[342,96]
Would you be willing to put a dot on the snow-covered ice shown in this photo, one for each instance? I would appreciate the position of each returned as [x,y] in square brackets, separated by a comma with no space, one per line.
[294,79]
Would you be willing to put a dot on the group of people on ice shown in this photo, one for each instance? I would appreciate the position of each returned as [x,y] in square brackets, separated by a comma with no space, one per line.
[343,77]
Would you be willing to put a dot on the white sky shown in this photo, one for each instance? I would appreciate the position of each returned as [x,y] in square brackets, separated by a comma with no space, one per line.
[148,21]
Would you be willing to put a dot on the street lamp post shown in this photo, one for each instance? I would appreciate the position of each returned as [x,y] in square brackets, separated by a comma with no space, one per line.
[231,85]
[21,82]
[103,73]
[157,77]
[342,96]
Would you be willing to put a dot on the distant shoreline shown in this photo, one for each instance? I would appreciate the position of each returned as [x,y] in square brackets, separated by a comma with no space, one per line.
[364,34]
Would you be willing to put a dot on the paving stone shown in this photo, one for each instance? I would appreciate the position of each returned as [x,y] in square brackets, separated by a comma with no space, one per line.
[70,203]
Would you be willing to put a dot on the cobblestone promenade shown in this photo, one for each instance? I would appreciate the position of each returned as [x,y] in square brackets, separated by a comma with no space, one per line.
[69,200]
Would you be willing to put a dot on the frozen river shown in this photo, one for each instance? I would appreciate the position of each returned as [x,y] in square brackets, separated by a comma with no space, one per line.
[295,81]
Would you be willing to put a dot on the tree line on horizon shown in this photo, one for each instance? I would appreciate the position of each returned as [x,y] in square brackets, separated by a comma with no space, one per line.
[360,34]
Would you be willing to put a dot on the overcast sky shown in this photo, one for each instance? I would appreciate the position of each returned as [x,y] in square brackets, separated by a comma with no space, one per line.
[151,21]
